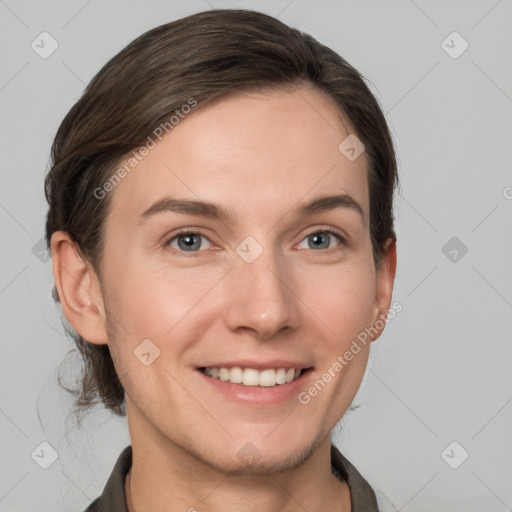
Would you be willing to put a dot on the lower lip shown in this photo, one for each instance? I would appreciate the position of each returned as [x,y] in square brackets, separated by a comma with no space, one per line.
[258,395]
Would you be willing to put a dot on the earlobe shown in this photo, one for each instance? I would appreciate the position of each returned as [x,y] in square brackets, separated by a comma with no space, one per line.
[78,288]
[384,286]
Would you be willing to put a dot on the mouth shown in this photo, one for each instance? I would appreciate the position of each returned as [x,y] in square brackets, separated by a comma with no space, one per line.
[251,377]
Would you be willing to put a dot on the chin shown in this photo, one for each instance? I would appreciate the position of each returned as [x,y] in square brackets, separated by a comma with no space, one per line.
[263,458]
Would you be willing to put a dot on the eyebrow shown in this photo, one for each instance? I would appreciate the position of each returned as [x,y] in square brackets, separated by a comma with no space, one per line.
[213,211]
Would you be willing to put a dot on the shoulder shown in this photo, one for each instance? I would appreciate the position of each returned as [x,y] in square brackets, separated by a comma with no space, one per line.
[113,498]
[362,496]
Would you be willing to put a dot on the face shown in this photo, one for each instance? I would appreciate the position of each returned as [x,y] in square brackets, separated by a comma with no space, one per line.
[262,280]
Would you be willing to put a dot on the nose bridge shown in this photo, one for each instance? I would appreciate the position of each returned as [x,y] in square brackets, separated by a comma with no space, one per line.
[260,295]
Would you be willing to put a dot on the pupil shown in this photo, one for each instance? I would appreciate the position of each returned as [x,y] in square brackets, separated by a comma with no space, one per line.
[187,242]
[319,240]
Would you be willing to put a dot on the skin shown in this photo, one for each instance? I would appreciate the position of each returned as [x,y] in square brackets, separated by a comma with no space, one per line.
[259,156]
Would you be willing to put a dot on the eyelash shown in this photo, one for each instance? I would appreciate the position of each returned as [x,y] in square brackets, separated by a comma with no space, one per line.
[192,254]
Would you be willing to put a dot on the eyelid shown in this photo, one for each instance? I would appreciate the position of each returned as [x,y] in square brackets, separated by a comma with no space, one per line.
[328,229]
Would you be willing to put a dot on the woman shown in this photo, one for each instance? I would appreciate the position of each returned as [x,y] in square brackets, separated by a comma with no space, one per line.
[221,227]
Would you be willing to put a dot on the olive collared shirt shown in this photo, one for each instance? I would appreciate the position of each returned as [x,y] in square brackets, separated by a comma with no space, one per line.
[113,498]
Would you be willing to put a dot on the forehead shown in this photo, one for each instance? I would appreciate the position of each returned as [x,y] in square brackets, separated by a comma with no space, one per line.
[260,151]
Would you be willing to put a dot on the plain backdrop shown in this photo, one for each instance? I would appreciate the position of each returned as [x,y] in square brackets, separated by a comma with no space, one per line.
[433,428]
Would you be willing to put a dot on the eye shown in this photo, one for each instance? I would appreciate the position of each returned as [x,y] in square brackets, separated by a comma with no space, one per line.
[188,241]
[320,240]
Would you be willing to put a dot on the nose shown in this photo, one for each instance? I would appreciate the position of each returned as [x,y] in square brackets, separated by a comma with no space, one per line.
[260,296]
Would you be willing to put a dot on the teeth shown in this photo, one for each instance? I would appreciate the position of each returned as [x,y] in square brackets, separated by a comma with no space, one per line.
[268,378]
[252,377]
[281,376]
[236,375]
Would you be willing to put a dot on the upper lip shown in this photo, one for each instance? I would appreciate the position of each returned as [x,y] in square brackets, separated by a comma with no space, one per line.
[259,365]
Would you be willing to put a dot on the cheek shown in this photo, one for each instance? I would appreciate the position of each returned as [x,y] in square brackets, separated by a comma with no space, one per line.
[151,301]
[342,299]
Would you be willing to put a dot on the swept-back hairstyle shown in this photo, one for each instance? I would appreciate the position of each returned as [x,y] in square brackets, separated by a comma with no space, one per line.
[197,61]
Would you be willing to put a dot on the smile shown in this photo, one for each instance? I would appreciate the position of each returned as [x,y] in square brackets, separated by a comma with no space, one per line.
[251,377]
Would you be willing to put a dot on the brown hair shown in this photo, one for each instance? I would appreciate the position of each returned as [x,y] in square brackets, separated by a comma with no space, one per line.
[204,57]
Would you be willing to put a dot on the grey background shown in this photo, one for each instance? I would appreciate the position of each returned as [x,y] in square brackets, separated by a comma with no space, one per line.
[442,370]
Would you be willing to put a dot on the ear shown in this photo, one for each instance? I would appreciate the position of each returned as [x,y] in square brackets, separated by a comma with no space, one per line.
[384,288]
[79,290]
